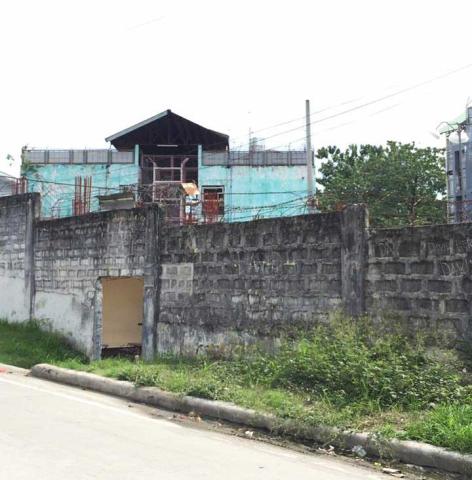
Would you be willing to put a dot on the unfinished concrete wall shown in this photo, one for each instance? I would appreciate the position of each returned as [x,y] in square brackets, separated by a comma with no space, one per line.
[17,214]
[225,284]
[235,283]
[423,275]
[72,255]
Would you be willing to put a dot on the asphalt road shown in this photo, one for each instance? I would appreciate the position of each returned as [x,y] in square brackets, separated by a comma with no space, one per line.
[50,431]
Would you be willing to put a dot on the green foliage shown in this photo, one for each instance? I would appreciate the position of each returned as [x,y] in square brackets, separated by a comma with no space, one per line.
[10,160]
[349,365]
[346,363]
[349,374]
[27,168]
[25,344]
[446,426]
[400,183]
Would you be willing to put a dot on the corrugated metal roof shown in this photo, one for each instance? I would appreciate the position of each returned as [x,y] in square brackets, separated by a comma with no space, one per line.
[454,124]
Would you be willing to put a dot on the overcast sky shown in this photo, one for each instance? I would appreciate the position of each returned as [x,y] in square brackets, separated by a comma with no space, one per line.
[74,72]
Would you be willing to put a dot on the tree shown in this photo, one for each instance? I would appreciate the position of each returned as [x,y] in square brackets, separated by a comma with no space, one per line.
[400,183]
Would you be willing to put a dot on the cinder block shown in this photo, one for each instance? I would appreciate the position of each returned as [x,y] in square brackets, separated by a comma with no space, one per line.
[397,268]
[422,268]
[385,286]
[411,285]
[439,286]
[457,305]
[409,248]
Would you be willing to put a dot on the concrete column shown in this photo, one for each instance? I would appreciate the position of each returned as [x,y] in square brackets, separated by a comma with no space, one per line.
[96,352]
[136,155]
[354,224]
[151,281]
[33,209]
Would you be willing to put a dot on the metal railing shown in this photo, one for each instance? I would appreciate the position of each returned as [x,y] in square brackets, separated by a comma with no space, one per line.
[255,158]
[104,156]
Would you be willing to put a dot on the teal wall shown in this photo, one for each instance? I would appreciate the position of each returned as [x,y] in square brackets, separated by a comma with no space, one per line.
[250,191]
[106,179]
[253,192]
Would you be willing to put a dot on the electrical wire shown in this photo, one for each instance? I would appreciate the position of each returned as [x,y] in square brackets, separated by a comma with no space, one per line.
[367,104]
[281,124]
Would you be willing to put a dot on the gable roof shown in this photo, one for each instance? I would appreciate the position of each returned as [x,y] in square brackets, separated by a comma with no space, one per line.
[167,128]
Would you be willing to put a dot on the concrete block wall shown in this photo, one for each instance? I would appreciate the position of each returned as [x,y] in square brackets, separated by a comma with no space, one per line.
[17,214]
[423,275]
[232,283]
[70,257]
[235,283]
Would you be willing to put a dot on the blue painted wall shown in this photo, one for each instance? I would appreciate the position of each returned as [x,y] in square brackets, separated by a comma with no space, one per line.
[258,192]
[58,194]
[250,191]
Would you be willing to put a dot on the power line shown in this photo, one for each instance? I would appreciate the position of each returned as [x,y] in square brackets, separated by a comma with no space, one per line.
[357,107]
[376,100]
[344,112]
[316,112]
[69,184]
[150,186]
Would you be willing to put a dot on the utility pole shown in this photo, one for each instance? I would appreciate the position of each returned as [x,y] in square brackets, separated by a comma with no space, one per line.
[309,159]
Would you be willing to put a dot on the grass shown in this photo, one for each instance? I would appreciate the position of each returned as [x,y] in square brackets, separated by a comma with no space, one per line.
[348,375]
[446,426]
[217,380]
[25,345]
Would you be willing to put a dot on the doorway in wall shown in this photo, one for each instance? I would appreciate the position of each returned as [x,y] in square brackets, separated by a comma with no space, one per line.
[122,315]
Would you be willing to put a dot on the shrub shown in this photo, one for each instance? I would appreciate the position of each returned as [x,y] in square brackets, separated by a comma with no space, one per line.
[347,362]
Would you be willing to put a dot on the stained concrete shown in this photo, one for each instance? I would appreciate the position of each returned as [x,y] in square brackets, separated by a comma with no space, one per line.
[219,285]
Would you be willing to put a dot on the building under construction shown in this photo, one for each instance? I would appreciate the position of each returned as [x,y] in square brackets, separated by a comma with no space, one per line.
[167,159]
[459,167]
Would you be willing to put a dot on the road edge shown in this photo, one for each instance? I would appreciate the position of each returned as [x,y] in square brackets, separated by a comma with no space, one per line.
[12,369]
[409,452]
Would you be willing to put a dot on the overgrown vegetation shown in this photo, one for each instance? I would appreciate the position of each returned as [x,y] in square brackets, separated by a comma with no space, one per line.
[445,425]
[343,374]
[25,344]
[347,374]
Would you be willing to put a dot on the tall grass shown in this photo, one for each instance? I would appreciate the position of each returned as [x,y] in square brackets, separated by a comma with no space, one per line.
[349,362]
[346,373]
[446,426]
[25,344]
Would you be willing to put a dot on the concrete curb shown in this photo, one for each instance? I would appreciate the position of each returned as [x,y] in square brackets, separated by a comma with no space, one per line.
[410,452]
[13,369]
